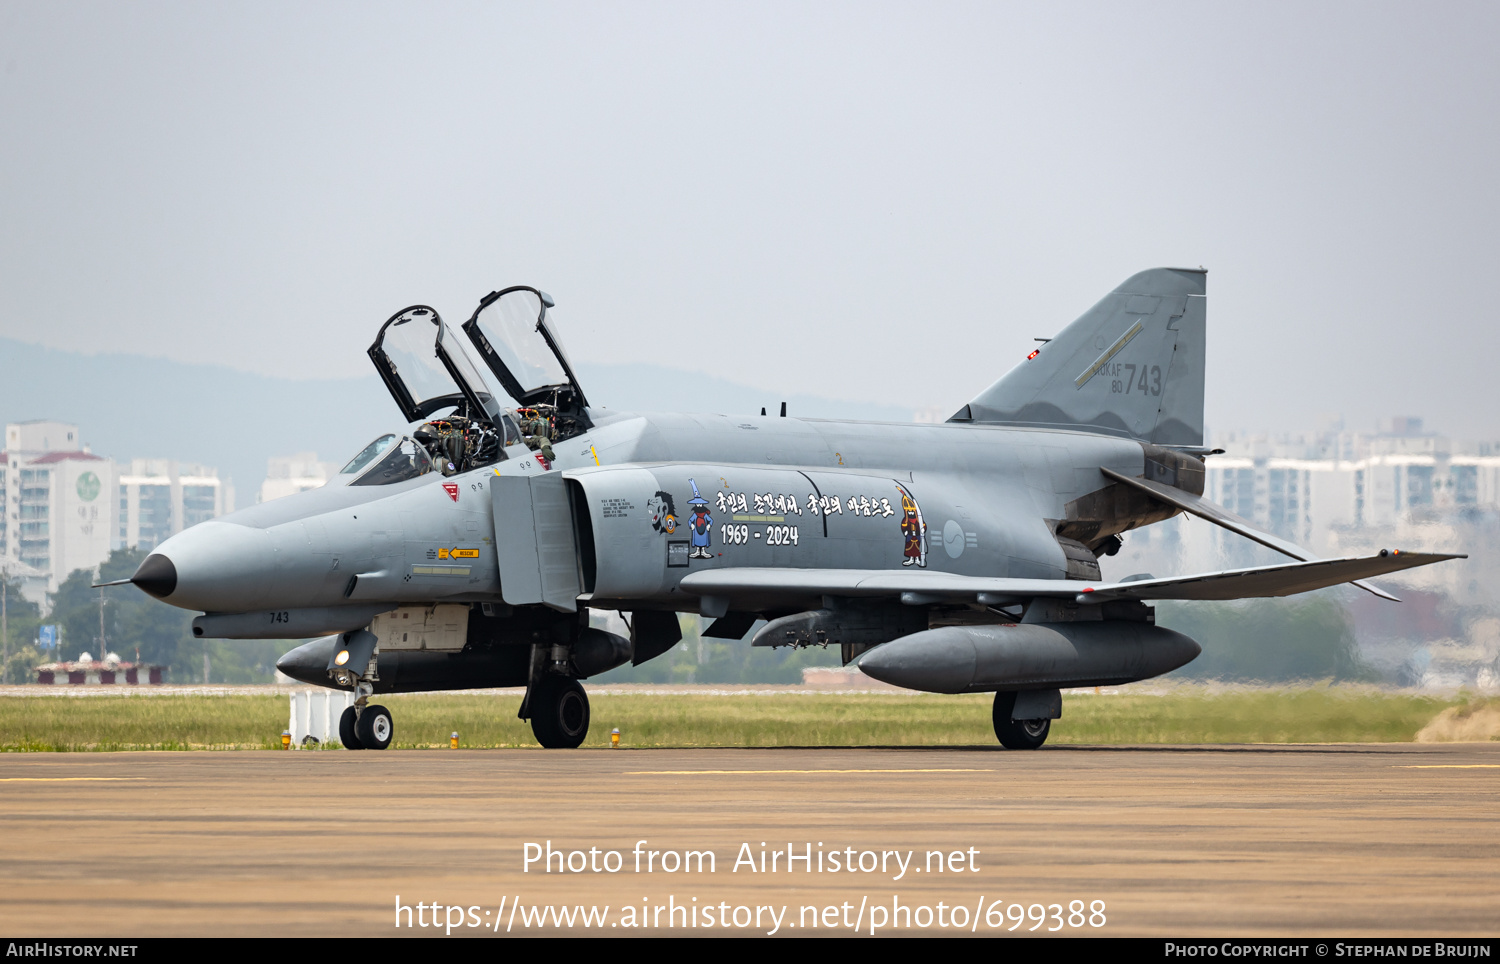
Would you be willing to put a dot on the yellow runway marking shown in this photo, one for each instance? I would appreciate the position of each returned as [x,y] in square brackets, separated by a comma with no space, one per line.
[62,779]
[1447,766]
[688,773]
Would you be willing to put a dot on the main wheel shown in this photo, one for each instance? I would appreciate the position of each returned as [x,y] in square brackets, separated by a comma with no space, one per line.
[375,728]
[347,735]
[559,713]
[1017,734]
[1023,734]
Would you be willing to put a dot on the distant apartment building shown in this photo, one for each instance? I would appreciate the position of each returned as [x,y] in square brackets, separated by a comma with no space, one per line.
[1311,488]
[289,474]
[58,512]
[66,508]
[161,497]
[1340,493]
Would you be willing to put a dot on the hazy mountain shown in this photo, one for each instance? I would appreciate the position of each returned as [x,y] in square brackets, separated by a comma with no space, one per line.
[131,406]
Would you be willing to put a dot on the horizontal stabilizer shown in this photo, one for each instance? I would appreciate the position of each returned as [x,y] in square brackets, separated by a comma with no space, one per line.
[1205,509]
[927,586]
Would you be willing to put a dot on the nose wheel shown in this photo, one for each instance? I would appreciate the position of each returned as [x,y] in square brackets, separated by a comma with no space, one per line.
[559,712]
[370,729]
[347,736]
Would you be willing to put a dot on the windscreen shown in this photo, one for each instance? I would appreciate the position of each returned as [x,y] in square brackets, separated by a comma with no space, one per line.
[368,454]
[400,461]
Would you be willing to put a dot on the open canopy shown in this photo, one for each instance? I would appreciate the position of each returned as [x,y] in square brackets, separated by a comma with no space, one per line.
[426,369]
[519,343]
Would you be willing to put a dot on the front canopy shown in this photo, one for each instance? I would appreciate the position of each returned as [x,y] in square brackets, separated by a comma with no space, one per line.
[427,371]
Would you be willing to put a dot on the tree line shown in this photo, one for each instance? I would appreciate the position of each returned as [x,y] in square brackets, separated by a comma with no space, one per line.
[136,626]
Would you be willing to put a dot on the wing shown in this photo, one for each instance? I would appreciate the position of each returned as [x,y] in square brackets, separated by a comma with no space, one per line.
[1220,516]
[719,586]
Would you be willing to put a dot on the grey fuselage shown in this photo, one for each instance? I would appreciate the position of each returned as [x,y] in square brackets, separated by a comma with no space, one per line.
[773,491]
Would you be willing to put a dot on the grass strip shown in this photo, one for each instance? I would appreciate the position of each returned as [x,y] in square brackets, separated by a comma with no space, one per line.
[1186,716]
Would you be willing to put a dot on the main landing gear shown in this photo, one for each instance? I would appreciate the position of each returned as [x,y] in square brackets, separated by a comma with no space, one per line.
[1018,734]
[555,702]
[559,712]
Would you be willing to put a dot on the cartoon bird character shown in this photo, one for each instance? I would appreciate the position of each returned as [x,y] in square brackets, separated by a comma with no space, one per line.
[698,523]
[913,529]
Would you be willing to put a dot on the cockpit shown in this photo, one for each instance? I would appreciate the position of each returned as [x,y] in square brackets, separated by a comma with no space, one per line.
[429,373]
[387,460]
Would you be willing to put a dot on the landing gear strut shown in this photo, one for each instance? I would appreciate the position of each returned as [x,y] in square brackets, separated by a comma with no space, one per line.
[559,712]
[362,726]
[1018,734]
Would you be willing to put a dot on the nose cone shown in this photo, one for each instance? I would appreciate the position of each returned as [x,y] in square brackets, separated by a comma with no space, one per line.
[213,566]
[157,576]
[308,663]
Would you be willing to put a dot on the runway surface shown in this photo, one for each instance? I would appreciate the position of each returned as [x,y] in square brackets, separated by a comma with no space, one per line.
[1387,840]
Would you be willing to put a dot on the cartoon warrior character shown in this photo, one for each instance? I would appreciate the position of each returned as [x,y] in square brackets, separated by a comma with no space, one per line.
[663,512]
[699,522]
[913,529]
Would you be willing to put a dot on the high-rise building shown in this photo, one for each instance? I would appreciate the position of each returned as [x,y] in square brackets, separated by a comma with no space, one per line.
[59,515]
[289,474]
[161,497]
[66,508]
[1310,488]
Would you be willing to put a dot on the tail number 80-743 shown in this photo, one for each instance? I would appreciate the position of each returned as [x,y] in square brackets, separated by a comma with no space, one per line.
[1149,382]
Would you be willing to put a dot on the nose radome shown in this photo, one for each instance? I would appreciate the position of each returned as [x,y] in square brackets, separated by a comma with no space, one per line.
[213,566]
[156,575]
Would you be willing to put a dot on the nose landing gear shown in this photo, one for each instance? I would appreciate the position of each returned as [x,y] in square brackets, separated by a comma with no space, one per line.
[347,734]
[363,726]
[366,728]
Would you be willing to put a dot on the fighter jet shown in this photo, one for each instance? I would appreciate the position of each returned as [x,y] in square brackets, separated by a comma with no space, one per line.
[468,549]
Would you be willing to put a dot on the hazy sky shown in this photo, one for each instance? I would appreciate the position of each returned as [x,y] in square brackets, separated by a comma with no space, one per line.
[869,201]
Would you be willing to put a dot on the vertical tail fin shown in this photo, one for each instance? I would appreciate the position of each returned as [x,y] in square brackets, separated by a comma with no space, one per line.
[1131,366]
